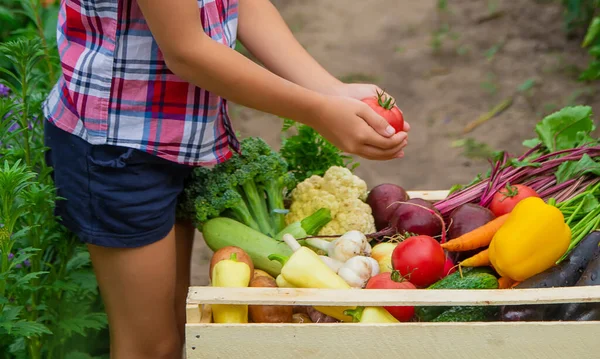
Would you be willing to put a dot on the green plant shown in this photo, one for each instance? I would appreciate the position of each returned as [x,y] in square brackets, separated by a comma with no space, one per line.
[307,153]
[592,43]
[585,15]
[579,13]
[49,302]
[31,19]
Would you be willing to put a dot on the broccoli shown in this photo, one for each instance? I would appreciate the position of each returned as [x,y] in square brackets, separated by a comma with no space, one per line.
[249,188]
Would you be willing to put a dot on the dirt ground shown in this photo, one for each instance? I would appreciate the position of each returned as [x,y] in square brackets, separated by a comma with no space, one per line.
[446,69]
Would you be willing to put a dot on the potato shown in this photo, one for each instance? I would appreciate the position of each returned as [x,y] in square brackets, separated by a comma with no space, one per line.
[301,318]
[225,253]
[268,313]
[262,273]
[318,317]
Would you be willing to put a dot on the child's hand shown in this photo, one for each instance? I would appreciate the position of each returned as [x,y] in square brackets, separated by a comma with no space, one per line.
[361,92]
[354,127]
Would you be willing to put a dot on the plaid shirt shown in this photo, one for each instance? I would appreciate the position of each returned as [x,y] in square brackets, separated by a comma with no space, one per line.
[115,88]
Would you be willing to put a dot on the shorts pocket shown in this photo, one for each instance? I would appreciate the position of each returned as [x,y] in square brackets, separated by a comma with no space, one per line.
[132,194]
[114,157]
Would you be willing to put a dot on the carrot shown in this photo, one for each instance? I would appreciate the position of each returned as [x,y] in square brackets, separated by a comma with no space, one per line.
[515,284]
[477,238]
[505,283]
[481,259]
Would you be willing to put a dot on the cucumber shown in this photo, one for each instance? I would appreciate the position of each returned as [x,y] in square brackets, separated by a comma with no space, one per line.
[454,280]
[466,314]
[222,232]
[476,278]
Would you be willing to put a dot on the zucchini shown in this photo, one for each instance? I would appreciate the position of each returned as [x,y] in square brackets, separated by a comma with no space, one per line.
[222,232]
[475,278]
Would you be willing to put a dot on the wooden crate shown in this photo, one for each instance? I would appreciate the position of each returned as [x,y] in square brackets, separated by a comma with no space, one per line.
[485,340]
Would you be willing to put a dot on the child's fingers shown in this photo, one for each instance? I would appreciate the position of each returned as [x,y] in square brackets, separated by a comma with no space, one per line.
[377,122]
[373,139]
[375,153]
[406,127]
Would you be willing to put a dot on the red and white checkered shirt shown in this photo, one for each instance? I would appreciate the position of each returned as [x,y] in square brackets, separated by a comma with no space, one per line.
[115,88]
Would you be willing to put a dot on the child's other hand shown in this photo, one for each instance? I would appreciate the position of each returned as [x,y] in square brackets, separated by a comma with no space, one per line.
[361,92]
[354,127]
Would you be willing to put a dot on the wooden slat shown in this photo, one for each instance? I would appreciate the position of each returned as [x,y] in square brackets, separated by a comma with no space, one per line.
[206,314]
[438,297]
[192,313]
[497,340]
[429,195]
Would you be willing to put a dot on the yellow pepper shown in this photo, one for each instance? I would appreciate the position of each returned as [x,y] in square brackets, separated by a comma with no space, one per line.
[371,315]
[304,269]
[230,273]
[531,240]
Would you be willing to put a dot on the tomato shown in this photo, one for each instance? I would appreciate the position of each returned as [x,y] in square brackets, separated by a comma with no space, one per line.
[421,259]
[507,198]
[386,107]
[393,280]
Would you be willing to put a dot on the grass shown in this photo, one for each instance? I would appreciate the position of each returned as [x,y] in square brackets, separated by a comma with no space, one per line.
[490,84]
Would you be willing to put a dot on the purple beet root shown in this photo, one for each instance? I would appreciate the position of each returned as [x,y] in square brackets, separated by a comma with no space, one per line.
[411,217]
[464,219]
[382,200]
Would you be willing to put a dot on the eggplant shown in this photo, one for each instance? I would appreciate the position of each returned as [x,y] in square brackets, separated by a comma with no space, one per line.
[584,311]
[566,274]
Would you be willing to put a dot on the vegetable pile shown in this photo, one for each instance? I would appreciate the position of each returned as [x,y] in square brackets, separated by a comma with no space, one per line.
[532,221]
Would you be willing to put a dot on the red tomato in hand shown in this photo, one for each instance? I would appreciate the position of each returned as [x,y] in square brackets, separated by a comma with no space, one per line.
[421,259]
[507,198]
[393,280]
[386,107]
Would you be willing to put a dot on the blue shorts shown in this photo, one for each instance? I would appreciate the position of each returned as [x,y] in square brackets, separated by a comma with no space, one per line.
[113,196]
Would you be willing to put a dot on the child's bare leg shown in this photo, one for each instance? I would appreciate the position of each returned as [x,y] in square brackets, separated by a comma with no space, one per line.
[122,203]
[138,288]
[184,240]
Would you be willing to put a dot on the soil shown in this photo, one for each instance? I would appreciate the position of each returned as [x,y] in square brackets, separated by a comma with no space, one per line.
[446,69]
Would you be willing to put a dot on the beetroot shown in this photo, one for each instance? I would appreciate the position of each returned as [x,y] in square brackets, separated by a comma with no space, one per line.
[449,267]
[417,220]
[464,219]
[381,199]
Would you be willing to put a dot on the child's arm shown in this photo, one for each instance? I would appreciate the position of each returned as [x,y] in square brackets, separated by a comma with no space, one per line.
[265,34]
[192,55]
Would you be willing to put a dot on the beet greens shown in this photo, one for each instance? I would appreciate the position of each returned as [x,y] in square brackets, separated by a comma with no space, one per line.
[562,162]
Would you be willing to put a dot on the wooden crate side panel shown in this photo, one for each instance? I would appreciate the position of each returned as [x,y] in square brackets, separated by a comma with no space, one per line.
[406,341]
[342,297]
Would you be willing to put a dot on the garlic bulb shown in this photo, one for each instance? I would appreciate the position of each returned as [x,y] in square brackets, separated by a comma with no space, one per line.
[357,271]
[350,244]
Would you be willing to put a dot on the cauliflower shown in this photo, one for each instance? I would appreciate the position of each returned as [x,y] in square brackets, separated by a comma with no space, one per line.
[343,193]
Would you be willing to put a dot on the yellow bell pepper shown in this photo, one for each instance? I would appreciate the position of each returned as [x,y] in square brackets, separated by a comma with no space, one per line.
[230,273]
[531,240]
[304,269]
[371,315]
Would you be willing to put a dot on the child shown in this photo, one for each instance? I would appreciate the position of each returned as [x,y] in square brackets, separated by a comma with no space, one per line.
[142,100]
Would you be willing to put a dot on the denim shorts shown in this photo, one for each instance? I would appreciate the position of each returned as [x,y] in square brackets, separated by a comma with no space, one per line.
[113,196]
